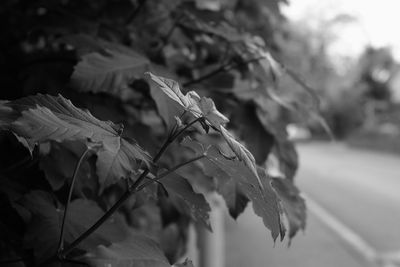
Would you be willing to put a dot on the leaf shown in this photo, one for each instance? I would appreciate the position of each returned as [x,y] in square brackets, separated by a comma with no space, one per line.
[241,152]
[210,112]
[171,89]
[250,129]
[235,199]
[192,102]
[168,109]
[112,165]
[108,73]
[264,200]
[293,204]
[47,118]
[189,202]
[135,250]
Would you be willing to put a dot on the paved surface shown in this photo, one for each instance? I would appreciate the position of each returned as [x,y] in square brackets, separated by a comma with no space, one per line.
[353,218]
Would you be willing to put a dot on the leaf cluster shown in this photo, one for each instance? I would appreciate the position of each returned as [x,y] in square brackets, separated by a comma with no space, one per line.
[106,153]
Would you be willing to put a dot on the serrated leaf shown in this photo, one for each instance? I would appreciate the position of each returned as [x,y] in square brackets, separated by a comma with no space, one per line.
[47,118]
[191,102]
[135,250]
[192,203]
[172,90]
[235,199]
[110,73]
[241,152]
[264,199]
[167,108]
[293,204]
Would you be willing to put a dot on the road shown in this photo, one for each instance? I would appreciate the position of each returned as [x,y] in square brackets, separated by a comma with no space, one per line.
[353,201]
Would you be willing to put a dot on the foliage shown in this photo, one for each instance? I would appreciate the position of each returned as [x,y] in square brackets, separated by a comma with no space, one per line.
[110,156]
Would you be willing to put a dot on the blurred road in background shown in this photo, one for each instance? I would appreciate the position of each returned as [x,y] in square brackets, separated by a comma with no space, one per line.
[353,199]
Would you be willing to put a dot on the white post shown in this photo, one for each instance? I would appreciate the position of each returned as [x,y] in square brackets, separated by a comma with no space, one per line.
[212,245]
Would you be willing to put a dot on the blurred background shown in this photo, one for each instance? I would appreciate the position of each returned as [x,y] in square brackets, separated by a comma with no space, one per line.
[349,52]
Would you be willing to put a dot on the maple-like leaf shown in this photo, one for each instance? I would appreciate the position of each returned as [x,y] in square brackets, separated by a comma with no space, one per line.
[188,201]
[111,72]
[292,203]
[171,89]
[241,152]
[135,250]
[264,199]
[191,102]
[48,118]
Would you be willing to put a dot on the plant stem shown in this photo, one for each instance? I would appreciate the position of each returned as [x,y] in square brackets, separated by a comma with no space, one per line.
[97,224]
[74,175]
[158,178]
[186,127]
[224,68]
[132,189]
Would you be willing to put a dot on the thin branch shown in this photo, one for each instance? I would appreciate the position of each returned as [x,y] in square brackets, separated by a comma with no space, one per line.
[224,68]
[74,175]
[132,189]
[166,173]
[97,224]
[185,128]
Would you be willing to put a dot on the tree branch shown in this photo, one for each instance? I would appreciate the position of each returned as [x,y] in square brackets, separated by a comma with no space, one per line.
[224,68]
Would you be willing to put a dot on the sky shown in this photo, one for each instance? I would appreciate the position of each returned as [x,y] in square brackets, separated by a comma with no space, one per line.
[376,23]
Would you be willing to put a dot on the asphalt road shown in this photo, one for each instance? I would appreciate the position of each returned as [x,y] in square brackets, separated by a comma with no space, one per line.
[353,201]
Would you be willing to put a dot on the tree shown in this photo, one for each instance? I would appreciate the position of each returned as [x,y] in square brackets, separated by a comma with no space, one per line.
[107,151]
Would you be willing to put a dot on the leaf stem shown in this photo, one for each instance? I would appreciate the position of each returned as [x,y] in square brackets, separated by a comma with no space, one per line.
[185,128]
[158,178]
[132,189]
[74,175]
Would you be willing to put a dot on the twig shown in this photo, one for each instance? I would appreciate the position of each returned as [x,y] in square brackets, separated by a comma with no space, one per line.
[132,189]
[158,178]
[74,175]
[224,68]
